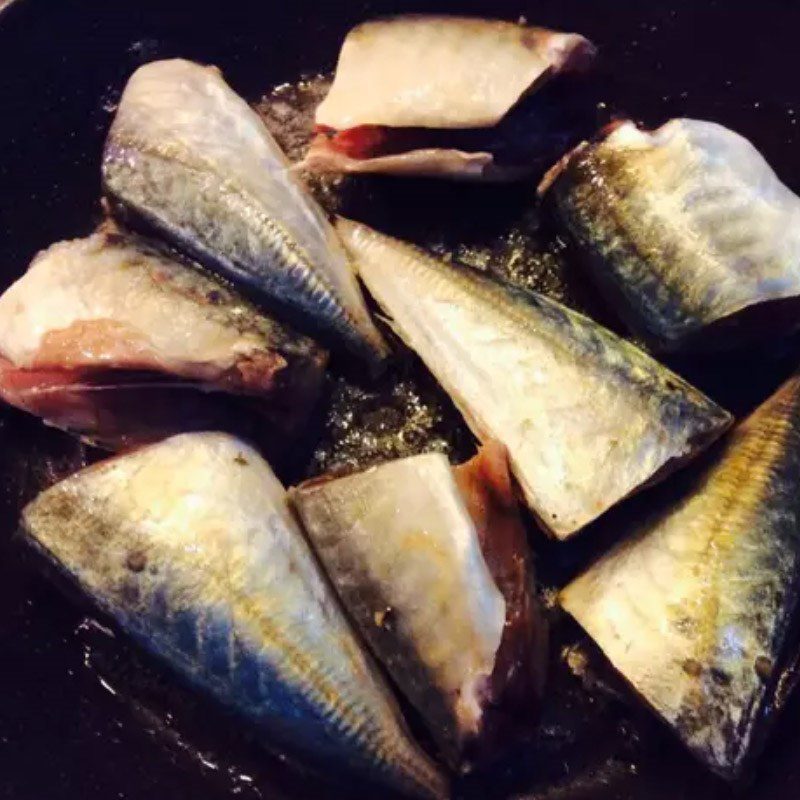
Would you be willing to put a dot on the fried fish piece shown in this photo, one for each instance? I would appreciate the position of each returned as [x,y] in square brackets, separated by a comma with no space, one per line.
[433,565]
[423,95]
[102,335]
[587,417]
[687,230]
[696,609]
[187,156]
[191,547]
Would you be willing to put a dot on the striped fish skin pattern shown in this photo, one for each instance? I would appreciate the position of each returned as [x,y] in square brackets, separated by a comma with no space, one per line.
[191,547]
[587,418]
[695,609]
[688,231]
[188,157]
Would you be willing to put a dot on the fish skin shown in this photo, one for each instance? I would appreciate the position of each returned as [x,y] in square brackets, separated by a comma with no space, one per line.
[696,607]
[587,418]
[94,318]
[187,156]
[403,552]
[687,230]
[191,547]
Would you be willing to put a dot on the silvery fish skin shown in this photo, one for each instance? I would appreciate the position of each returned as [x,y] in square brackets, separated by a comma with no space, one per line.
[435,571]
[587,417]
[89,314]
[189,157]
[696,608]
[688,230]
[191,547]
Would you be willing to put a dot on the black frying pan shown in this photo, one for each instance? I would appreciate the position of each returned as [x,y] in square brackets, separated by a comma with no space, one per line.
[82,715]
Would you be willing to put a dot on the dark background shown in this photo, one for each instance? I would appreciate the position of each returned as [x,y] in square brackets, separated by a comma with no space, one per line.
[83,716]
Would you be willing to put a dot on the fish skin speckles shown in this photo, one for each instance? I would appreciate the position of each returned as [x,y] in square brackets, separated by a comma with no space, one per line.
[696,607]
[587,418]
[191,547]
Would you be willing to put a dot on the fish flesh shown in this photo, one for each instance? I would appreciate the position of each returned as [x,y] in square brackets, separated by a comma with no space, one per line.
[435,571]
[696,608]
[399,81]
[97,325]
[191,547]
[188,157]
[587,417]
[688,231]
[423,71]
[516,688]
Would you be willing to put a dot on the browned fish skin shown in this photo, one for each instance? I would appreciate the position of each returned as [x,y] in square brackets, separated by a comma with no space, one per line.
[696,608]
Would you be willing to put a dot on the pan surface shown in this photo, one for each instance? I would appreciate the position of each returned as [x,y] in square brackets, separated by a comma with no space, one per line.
[83,715]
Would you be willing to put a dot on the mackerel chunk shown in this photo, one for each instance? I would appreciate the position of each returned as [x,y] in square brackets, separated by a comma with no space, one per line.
[697,609]
[587,417]
[187,156]
[431,95]
[121,343]
[191,547]
[433,565]
[689,232]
